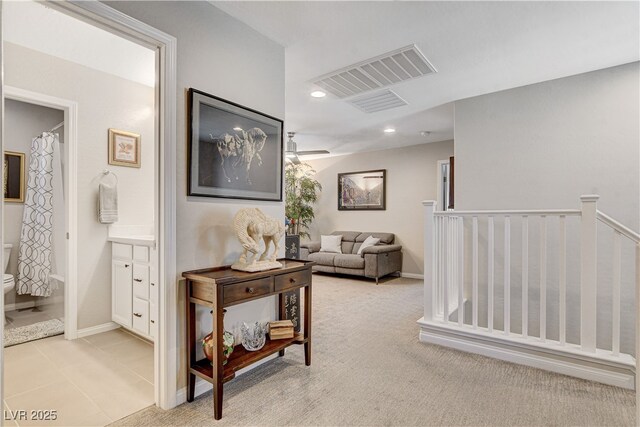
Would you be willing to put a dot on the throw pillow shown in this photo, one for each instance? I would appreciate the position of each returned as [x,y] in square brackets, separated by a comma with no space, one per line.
[331,244]
[369,241]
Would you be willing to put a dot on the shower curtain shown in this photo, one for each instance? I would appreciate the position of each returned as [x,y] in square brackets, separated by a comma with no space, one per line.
[41,212]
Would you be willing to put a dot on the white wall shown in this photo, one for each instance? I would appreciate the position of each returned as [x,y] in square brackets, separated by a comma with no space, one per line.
[411,178]
[104,101]
[23,122]
[222,56]
[544,145]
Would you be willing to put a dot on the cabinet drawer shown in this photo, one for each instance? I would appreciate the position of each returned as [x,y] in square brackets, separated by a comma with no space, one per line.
[153,322]
[121,251]
[141,281]
[291,280]
[141,253]
[246,290]
[141,316]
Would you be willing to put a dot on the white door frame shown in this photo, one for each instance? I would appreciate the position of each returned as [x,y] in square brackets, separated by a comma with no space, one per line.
[70,109]
[439,201]
[166,345]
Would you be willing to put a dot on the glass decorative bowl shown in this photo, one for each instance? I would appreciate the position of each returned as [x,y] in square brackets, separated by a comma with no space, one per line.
[253,335]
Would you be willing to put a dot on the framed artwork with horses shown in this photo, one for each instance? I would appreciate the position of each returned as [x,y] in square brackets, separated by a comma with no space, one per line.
[234,152]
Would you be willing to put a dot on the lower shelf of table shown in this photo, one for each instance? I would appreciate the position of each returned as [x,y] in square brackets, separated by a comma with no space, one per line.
[241,358]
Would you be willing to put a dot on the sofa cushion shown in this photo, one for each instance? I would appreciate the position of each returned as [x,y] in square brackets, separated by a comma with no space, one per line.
[370,241]
[385,238]
[331,244]
[348,236]
[349,261]
[322,258]
[347,247]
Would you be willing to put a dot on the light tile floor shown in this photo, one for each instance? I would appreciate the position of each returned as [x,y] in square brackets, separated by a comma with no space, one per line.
[29,316]
[89,381]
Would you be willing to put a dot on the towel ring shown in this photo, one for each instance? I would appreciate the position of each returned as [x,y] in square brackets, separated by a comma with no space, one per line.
[108,172]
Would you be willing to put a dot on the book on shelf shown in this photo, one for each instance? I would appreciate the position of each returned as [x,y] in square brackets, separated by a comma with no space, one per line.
[280,329]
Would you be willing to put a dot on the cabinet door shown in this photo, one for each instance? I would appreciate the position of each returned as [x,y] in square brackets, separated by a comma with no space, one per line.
[141,316]
[121,297]
[153,322]
[141,281]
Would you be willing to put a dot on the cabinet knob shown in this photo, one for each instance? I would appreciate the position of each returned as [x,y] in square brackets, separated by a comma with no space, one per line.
[251,290]
[126,266]
[137,314]
[153,284]
[153,321]
[137,280]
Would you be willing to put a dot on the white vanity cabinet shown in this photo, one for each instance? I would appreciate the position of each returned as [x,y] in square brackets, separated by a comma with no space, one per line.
[134,288]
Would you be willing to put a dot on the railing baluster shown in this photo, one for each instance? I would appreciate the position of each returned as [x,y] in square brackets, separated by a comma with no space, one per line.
[460,271]
[445,288]
[563,281]
[525,276]
[543,278]
[615,333]
[474,277]
[490,276]
[507,275]
[439,254]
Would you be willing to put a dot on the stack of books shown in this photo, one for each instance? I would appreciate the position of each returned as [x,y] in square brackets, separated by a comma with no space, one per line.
[280,329]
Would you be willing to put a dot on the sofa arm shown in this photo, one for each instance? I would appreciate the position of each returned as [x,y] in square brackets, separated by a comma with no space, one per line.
[380,249]
[311,246]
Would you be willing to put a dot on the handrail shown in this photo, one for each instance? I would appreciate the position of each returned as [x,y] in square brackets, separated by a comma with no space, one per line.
[626,231]
[560,212]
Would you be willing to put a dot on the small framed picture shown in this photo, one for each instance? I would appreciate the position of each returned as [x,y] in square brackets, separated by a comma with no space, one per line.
[362,191]
[13,177]
[124,148]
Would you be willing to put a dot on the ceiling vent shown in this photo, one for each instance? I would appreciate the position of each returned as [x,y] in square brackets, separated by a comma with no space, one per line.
[393,67]
[377,101]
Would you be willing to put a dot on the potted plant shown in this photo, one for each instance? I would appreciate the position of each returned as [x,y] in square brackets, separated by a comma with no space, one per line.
[301,192]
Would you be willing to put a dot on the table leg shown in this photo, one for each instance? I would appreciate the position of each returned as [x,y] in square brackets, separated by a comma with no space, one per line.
[307,324]
[282,315]
[218,356]
[191,342]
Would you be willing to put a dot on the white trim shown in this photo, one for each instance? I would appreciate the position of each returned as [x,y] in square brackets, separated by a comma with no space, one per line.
[28,304]
[70,109]
[166,348]
[438,183]
[412,275]
[202,387]
[620,374]
[98,329]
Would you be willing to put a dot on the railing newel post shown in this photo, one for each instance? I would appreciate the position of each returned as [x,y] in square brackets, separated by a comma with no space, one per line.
[429,258]
[588,271]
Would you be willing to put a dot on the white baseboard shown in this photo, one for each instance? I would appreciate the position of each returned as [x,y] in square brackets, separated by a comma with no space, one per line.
[202,387]
[105,327]
[412,275]
[30,304]
[593,369]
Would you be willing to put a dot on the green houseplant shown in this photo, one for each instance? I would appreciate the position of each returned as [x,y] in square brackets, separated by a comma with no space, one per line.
[301,192]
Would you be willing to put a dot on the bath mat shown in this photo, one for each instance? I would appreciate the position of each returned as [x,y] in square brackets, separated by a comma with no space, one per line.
[22,334]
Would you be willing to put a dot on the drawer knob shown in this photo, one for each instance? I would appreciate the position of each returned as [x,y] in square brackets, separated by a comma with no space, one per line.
[137,314]
[251,290]
[126,266]
[292,280]
[137,280]
[153,321]
[153,284]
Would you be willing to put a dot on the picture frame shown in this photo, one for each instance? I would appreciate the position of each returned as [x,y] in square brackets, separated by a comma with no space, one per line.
[362,190]
[14,177]
[124,148]
[235,152]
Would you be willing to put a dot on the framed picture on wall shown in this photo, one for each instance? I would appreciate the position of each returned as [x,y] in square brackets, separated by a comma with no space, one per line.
[234,152]
[14,178]
[124,148]
[362,191]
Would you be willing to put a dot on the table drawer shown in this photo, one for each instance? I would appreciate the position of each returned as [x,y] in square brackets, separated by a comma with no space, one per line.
[292,280]
[246,290]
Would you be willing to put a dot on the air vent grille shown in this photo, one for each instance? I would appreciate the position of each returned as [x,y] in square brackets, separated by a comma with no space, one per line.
[393,67]
[378,101]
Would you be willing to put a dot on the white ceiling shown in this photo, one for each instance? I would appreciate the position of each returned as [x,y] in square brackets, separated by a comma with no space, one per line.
[477,48]
[41,28]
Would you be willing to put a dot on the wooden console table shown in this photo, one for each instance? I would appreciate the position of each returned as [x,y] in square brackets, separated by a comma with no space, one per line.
[222,287]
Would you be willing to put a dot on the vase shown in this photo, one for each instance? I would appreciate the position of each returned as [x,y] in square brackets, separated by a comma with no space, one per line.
[228,344]
[254,336]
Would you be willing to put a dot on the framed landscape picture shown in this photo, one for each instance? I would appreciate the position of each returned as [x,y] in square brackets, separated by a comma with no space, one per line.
[14,178]
[234,152]
[124,148]
[363,191]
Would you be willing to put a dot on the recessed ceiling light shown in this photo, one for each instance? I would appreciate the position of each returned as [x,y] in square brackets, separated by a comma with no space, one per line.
[237,129]
[389,130]
[318,94]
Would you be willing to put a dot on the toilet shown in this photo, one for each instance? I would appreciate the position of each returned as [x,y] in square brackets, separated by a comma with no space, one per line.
[8,282]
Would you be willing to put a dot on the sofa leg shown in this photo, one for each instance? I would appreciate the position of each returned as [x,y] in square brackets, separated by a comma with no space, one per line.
[377,282]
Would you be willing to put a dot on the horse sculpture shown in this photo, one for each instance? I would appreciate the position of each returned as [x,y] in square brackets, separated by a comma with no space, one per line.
[239,150]
[251,226]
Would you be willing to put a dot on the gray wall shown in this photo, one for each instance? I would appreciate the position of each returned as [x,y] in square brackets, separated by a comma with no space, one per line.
[411,178]
[23,122]
[222,56]
[542,146]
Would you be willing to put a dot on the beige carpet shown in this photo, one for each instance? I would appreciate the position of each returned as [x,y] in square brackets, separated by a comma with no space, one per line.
[369,368]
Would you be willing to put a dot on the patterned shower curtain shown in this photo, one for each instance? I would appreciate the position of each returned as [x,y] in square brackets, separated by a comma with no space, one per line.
[34,255]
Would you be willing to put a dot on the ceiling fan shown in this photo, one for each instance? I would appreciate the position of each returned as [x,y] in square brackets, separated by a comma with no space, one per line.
[291,152]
